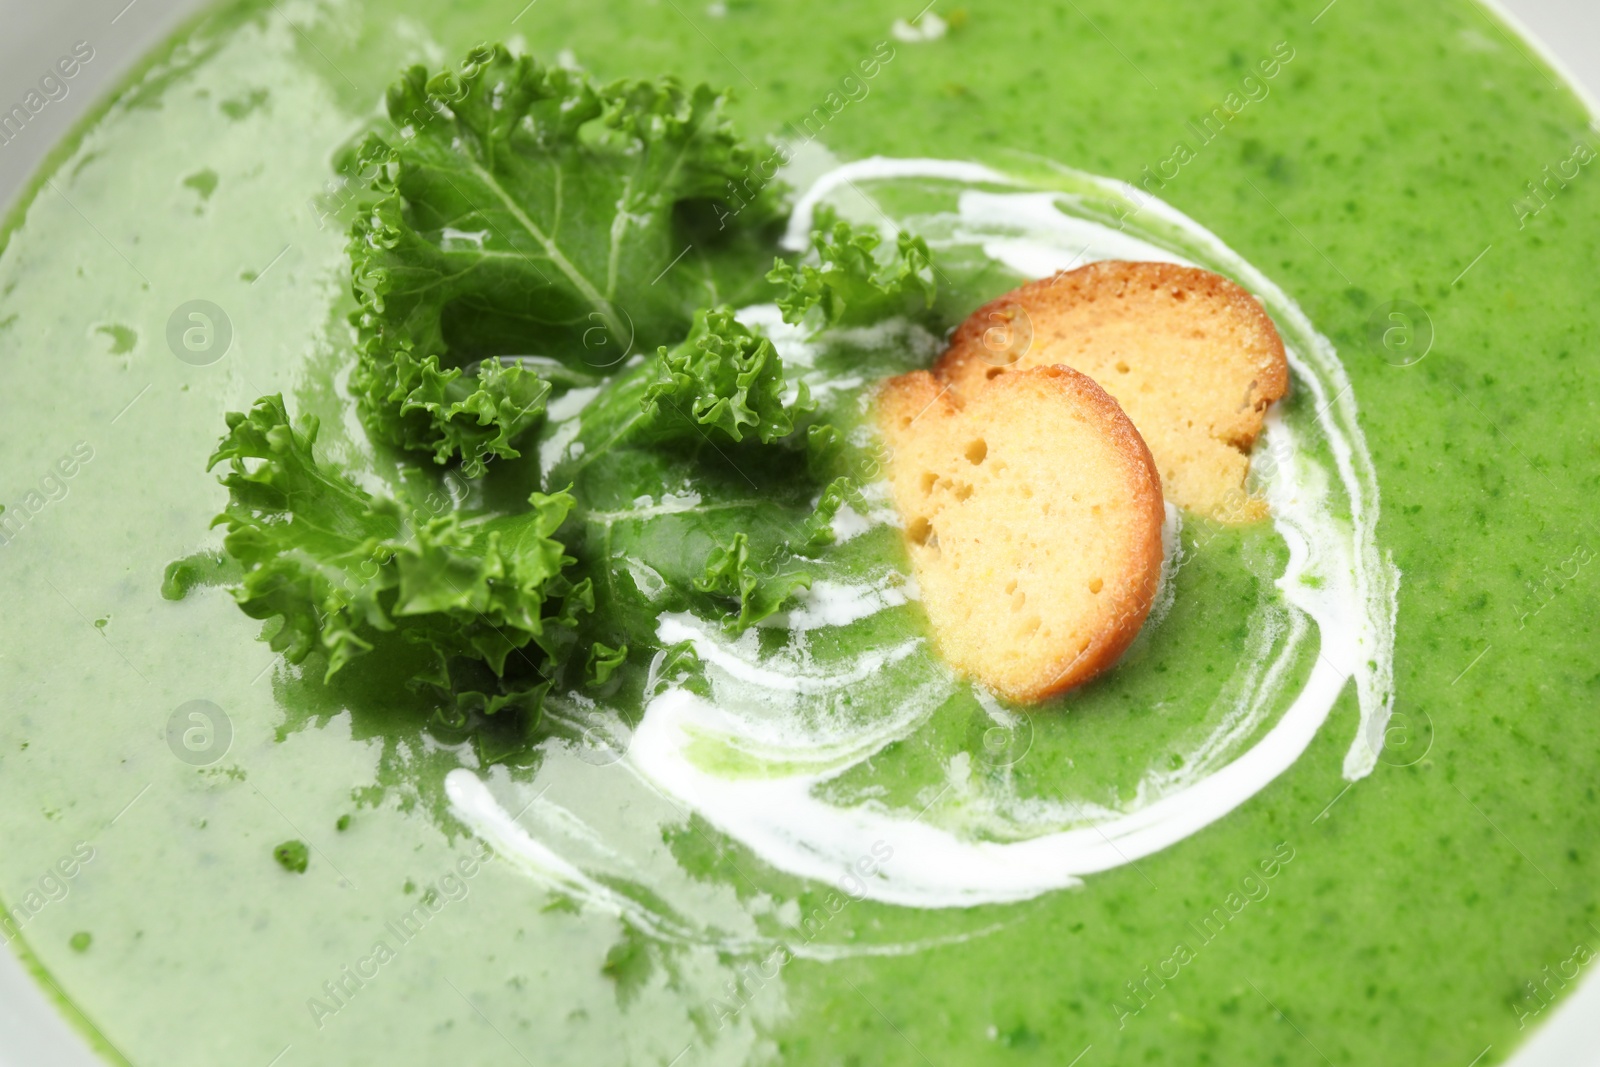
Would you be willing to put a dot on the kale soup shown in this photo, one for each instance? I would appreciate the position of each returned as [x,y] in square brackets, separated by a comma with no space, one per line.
[468,599]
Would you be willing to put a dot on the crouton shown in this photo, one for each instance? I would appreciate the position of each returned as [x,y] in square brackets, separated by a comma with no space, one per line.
[1191,357]
[1033,514]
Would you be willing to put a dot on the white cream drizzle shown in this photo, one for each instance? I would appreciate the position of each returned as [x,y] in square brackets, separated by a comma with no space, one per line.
[829,603]
[474,803]
[756,759]
[740,660]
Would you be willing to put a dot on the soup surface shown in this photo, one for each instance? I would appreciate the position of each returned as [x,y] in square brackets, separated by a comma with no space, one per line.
[828,863]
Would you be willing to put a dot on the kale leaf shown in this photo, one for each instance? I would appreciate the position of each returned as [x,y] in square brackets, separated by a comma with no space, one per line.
[849,285]
[530,244]
[725,377]
[760,591]
[526,211]
[340,567]
[694,483]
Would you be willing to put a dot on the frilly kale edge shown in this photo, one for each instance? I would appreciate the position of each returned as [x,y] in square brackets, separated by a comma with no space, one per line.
[724,377]
[849,285]
[340,567]
[524,236]
[525,211]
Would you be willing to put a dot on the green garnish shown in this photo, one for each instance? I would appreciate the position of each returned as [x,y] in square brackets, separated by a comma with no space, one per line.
[341,566]
[293,856]
[527,210]
[726,377]
[850,285]
[819,528]
[730,572]
[604,661]
[526,214]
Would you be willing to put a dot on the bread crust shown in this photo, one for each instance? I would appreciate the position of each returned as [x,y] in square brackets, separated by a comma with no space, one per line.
[919,414]
[1067,317]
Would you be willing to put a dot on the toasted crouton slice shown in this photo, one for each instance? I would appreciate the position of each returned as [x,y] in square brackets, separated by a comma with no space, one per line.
[1033,516]
[1191,357]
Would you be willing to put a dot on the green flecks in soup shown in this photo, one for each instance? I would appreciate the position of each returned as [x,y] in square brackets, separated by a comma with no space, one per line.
[1366,177]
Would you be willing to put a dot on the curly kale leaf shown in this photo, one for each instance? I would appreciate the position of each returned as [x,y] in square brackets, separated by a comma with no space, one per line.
[724,377]
[725,385]
[849,285]
[819,529]
[340,566]
[603,662]
[526,211]
[313,546]
[761,590]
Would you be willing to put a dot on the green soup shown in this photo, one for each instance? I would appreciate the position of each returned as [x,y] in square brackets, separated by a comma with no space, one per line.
[1407,883]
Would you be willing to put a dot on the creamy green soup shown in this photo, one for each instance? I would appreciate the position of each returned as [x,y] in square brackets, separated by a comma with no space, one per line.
[809,844]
